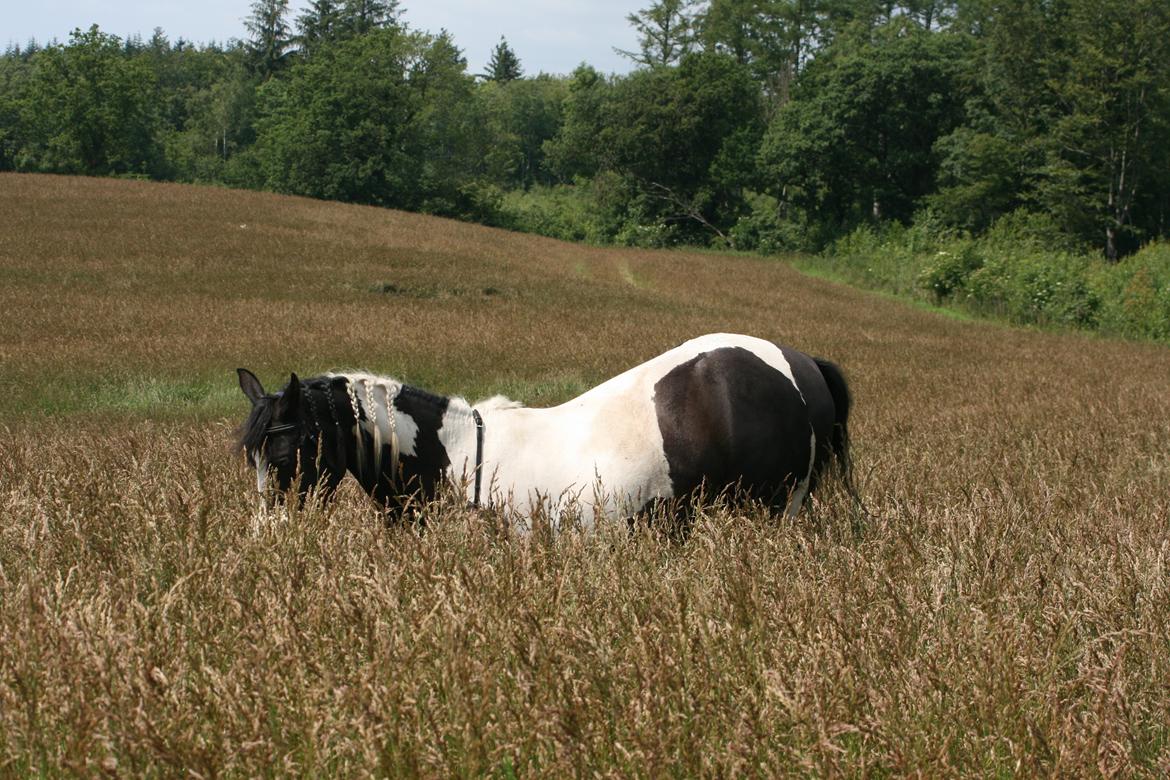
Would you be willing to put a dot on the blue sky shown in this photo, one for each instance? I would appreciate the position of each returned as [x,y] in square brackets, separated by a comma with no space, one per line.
[553,36]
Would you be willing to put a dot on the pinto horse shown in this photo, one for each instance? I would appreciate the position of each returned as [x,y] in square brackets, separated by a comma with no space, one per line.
[719,413]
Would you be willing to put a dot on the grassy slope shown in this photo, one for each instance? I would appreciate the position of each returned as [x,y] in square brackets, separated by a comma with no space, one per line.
[1004,612]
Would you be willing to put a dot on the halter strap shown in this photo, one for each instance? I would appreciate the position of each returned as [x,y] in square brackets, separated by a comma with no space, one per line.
[478,454]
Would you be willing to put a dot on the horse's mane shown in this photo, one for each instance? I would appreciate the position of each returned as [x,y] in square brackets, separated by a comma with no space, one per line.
[250,435]
[497,402]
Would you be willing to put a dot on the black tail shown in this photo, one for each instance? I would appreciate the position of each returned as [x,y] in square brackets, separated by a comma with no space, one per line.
[839,440]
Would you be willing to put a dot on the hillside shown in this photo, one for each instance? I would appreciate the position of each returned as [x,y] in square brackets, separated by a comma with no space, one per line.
[1003,611]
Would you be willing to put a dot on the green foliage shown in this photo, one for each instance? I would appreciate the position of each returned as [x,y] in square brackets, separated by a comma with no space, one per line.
[1081,122]
[947,275]
[980,178]
[574,152]
[1016,271]
[595,211]
[86,108]
[1135,294]
[217,125]
[504,65]
[13,83]
[271,37]
[320,23]
[520,119]
[856,141]
[686,138]
[666,32]
[358,17]
[1031,287]
[364,120]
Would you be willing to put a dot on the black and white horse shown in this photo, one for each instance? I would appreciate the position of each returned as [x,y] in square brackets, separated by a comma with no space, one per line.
[718,412]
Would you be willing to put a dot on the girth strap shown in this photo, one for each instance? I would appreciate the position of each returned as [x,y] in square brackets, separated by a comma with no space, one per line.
[478,454]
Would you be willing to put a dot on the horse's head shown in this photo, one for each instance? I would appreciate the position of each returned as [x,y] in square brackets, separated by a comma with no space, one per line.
[278,439]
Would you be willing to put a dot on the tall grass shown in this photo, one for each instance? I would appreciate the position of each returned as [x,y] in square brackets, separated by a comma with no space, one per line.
[1002,613]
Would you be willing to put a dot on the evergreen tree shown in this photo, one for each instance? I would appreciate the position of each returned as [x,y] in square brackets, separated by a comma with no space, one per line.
[271,38]
[358,17]
[318,24]
[666,31]
[504,65]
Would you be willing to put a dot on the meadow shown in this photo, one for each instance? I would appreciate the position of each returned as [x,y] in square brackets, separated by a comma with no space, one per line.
[1003,612]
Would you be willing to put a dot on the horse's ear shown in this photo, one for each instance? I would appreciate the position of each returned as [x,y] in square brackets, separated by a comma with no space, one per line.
[250,385]
[290,397]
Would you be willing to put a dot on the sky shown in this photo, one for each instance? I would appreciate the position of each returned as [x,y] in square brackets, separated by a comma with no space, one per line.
[553,36]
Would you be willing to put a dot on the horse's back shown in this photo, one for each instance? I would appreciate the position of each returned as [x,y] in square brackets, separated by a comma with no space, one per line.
[720,410]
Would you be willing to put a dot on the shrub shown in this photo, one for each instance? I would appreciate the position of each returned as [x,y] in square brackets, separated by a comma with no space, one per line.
[1136,294]
[594,211]
[946,274]
[1035,288]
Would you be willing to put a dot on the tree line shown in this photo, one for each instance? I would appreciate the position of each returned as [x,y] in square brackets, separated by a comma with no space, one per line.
[750,124]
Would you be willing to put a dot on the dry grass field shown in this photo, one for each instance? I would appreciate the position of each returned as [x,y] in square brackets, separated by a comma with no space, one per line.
[1006,612]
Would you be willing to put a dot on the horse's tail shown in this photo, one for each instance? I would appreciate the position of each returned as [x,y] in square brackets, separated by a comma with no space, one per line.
[839,438]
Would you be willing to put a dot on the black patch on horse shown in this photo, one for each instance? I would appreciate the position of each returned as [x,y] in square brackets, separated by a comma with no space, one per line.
[821,403]
[424,470]
[728,419]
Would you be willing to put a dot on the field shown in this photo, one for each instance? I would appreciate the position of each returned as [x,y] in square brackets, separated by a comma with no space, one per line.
[1005,611]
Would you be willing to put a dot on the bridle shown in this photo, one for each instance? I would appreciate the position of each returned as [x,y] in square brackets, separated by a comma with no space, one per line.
[284,428]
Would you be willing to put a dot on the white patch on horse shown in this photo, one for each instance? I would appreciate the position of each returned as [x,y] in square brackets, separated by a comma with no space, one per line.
[558,457]
[261,470]
[404,424]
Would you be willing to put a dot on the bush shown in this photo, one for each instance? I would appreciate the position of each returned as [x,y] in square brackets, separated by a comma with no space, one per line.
[1035,288]
[763,229]
[1135,294]
[946,274]
[1022,269]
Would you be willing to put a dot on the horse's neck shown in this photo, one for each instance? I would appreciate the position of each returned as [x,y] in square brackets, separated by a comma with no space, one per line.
[458,436]
[364,423]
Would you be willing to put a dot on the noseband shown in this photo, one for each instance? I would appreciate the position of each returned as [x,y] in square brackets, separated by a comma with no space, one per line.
[282,428]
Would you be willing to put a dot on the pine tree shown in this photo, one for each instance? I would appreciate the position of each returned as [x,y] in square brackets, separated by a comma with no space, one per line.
[504,65]
[666,31]
[319,23]
[360,16]
[271,38]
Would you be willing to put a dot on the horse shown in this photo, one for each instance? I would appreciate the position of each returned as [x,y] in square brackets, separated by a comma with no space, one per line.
[719,413]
